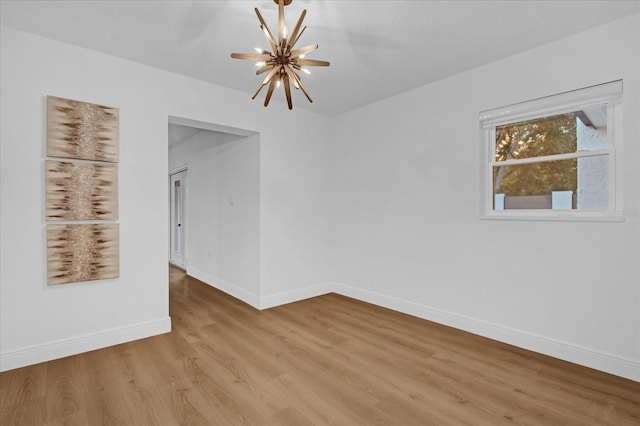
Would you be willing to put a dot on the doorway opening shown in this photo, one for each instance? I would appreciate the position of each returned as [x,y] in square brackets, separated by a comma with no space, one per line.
[213,182]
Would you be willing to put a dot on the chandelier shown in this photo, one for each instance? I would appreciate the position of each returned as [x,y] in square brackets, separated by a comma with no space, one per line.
[283,63]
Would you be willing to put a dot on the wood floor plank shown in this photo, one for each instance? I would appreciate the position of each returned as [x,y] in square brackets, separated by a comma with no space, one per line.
[186,405]
[304,395]
[65,403]
[25,413]
[329,360]
[23,385]
[102,389]
[288,416]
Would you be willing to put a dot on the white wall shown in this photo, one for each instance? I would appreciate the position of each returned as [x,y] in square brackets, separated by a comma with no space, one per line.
[39,322]
[405,226]
[223,214]
[294,192]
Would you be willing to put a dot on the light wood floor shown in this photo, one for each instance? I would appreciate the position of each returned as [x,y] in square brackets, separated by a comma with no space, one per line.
[327,360]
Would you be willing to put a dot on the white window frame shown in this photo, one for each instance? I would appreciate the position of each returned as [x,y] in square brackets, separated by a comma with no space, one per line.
[609,94]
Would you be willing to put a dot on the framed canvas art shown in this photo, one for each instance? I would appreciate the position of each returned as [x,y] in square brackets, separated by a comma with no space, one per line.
[82,252]
[81,191]
[82,130]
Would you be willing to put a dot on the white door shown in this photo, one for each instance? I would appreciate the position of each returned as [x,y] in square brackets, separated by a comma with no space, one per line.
[177,214]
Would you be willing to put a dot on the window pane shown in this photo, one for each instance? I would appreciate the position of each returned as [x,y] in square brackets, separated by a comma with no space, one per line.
[581,183]
[559,134]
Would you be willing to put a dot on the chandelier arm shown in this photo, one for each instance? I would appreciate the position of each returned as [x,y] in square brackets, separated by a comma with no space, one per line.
[280,21]
[264,69]
[292,73]
[261,19]
[272,86]
[271,74]
[304,91]
[287,88]
[251,56]
[312,62]
[257,91]
[296,78]
[269,38]
[265,29]
[294,34]
[293,43]
[295,53]
[266,80]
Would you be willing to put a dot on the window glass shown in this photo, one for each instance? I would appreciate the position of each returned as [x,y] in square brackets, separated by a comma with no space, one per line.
[537,178]
[558,134]
[535,186]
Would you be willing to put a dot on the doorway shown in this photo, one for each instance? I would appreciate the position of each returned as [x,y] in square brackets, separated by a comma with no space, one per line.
[178,190]
[200,243]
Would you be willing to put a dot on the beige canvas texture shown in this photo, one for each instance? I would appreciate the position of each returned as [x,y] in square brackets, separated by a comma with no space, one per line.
[82,130]
[81,191]
[82,252]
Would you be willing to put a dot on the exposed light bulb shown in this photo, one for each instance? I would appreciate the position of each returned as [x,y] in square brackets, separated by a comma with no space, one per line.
[259,50]
[261,64]
[278,84]
[304,70]
[301,56]
[284,32]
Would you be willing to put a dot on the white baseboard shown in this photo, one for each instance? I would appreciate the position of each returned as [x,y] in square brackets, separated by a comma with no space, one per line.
[85,343]
[261,302]
[610,363]
[231,289]
[283,298]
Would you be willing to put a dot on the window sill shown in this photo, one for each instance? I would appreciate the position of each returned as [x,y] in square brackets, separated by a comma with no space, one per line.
[566,216]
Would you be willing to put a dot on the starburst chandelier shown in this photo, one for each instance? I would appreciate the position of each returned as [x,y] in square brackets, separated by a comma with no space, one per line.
[282,63]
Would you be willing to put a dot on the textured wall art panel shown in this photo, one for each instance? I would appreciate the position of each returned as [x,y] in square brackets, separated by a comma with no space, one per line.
[82,252]
[82,130]
[81,191]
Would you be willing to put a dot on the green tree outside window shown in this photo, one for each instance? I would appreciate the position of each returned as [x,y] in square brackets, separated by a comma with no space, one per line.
[536,138]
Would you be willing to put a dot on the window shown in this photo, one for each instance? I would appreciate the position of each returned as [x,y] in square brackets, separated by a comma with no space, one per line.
[554,158]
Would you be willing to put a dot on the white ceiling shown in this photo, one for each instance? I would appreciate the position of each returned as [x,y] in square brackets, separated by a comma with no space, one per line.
[376,48]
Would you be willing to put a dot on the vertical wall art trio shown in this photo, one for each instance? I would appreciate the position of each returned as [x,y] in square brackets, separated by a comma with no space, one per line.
[82,189]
